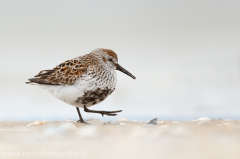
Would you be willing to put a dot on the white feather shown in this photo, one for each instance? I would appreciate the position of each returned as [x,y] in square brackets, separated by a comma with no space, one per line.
[70,93]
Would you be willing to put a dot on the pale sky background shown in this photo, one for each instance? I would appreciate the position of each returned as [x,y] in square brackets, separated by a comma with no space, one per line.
[184,53]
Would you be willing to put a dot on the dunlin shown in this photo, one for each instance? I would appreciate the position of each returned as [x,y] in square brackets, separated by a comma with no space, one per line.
[83,81]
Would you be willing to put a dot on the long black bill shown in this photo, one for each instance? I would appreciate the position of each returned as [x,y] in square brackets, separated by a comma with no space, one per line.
[120,68]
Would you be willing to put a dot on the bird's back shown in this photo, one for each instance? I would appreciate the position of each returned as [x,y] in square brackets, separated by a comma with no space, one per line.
[68,72]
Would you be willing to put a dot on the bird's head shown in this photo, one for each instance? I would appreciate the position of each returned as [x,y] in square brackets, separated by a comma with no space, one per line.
[111,60]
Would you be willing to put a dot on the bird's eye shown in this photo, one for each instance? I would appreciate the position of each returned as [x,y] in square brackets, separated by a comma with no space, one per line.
[110,59]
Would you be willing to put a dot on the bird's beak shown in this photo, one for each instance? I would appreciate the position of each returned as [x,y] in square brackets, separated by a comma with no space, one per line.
[120,68]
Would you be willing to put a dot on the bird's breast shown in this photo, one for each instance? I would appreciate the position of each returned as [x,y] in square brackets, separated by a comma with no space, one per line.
[99,87]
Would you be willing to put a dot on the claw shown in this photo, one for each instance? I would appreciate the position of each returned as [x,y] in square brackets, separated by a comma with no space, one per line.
[109,113]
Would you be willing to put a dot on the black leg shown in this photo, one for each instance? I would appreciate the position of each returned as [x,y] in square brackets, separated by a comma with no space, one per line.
[109,113]
[80,116]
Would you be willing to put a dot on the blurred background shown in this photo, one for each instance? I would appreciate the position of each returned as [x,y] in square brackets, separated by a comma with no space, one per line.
[185,55]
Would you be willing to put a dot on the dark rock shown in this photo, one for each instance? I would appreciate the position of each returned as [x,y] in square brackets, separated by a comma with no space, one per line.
[152,122]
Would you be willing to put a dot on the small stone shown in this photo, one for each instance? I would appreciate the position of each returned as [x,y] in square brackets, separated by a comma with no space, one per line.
[204,119]
[216,119]
[160,122]
[135,121]
[123,124]
[45,121]
[165,126]
[153,122]
[37,123]
[111,123]
[204,123]
[175,122]
[121,120]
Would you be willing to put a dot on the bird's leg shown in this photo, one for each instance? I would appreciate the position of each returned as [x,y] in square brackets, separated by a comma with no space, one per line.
[80,116]
[109,113]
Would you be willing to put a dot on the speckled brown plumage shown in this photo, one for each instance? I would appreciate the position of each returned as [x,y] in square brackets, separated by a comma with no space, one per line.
[83,81]
[67,72]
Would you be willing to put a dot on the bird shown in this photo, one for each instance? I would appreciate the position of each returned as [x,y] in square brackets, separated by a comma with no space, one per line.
[83,81]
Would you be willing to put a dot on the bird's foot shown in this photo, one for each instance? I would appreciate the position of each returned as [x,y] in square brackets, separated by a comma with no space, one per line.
[108,113]
[82,121]
[79,121]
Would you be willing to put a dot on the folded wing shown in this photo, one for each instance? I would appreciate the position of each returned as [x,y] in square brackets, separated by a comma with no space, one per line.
[65,73]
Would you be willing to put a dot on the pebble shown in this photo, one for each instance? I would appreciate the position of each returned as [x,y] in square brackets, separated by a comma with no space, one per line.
[111,123]
[36,123]
[160,122]
[204,119]
[123,124]
[135,121]
[204,122]
[121,119]
[152,123]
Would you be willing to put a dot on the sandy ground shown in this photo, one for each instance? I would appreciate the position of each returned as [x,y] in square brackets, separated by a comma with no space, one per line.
[201,139]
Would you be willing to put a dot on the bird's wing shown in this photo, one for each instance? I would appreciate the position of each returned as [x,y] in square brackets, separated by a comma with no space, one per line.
[65,73]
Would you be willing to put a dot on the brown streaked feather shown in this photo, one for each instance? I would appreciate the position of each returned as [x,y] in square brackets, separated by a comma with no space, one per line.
[44,73]
[39,81]
[104,59]
[67,72]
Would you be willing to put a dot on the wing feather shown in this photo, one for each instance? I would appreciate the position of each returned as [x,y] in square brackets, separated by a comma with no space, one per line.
[65,73]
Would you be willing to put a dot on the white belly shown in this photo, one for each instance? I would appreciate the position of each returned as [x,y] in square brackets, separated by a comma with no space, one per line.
[75,94]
